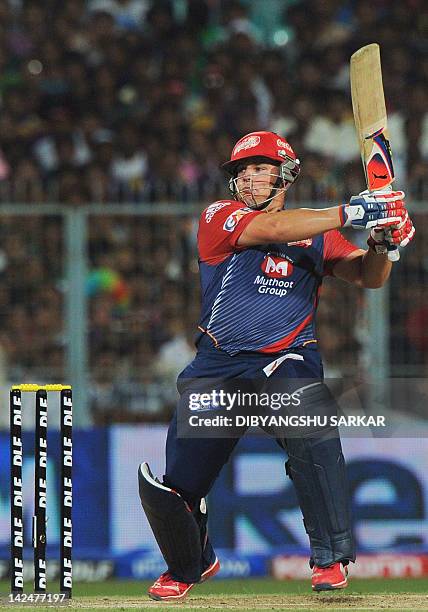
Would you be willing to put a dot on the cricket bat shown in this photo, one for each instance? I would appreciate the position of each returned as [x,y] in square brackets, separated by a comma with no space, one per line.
[368,103]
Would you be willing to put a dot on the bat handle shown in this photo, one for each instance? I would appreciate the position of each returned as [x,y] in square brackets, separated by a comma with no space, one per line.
[394,254]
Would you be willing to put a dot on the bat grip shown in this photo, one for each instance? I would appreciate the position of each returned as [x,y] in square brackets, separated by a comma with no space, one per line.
[393,254]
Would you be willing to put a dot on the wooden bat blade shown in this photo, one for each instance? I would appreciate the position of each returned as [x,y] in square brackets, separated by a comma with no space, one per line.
[368,103]
[368,100]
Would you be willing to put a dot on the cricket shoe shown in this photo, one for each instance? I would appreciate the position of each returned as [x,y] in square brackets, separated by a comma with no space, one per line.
[329,578]
[167,589]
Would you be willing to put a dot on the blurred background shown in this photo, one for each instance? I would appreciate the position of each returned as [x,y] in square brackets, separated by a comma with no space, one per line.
[114,118]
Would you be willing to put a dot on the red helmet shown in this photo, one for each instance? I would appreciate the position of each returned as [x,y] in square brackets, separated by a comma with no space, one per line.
[270,146]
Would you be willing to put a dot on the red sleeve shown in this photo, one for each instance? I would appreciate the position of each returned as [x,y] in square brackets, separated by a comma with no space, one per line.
[336,248]
[220,226]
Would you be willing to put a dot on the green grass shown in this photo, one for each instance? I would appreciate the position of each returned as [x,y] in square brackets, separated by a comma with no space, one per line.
[245,586]
[253,585]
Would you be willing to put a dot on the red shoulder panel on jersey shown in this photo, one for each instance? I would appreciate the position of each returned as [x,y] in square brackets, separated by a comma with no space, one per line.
[336,248]
[220,226]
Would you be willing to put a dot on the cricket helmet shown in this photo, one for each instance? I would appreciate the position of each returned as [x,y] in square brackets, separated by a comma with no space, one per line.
[269,146]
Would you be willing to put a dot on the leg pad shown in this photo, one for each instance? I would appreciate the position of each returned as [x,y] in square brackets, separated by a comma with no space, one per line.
[174,526]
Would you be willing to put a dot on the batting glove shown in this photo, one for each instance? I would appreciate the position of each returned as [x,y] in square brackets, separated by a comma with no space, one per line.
[370,209]
[382,239]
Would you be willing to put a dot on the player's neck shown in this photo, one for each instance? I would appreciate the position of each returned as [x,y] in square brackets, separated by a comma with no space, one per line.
[276,205]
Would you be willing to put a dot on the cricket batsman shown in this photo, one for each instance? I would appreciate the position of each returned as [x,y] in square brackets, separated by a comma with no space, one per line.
[248,331]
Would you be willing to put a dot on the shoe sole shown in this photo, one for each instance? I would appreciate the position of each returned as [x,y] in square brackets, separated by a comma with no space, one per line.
[208,573]
[172,597]
[326,586]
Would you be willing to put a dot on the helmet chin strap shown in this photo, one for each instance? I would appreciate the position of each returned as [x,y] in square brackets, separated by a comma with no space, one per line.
[265,203]
[275,191]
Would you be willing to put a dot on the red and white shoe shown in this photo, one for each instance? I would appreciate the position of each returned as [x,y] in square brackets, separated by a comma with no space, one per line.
[329,578]
[210,571]
[167,589]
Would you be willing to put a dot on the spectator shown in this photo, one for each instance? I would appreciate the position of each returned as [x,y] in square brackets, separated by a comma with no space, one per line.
[175,353]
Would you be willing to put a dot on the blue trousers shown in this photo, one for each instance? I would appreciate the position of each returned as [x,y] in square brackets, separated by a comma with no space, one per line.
[316,465]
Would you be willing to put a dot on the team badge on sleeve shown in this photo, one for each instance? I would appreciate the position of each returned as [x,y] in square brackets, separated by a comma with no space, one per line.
[234,218]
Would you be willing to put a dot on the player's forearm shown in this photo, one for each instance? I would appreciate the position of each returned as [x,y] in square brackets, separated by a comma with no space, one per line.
[302,223]
[307,222]
[375,270]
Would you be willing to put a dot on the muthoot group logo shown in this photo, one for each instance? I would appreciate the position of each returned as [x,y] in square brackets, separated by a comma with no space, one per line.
[276,267]
[273,281]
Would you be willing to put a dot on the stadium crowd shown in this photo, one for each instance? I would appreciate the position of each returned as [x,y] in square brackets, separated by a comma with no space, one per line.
[139,101]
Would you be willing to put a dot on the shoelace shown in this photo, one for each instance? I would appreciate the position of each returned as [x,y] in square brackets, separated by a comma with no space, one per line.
[158,582]
[322,570]
[164,579]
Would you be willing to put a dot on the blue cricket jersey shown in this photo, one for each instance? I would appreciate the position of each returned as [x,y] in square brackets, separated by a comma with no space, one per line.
[261,298]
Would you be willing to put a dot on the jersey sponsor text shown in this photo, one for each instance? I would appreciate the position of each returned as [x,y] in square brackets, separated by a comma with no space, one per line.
[213,208]
[273,286]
